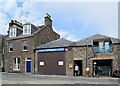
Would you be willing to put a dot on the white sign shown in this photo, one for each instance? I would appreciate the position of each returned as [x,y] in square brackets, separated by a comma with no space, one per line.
[60,62]
[41,63]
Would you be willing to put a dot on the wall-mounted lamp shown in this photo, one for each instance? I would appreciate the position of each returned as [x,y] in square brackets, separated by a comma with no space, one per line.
[70,60]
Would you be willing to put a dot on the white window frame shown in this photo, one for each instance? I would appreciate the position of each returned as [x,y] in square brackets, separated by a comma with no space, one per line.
[9,46]
[16,66]
[1,63]
[12,32]
[24,49]
[3,51]
[61,63]
[42,63]
[24,45]
[27,28]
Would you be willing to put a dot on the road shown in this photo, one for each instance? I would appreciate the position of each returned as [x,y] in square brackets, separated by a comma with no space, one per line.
[14,78]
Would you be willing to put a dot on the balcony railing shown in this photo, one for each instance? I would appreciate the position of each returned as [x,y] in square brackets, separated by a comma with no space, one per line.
[97,49]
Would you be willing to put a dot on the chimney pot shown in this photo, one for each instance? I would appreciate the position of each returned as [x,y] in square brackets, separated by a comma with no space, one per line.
[48,20]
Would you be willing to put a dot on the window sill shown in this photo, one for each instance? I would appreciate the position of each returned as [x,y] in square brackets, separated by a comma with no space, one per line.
[16,69]
[10,51]
[24,50]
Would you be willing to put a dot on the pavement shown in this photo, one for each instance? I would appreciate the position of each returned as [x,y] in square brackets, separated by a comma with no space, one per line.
[18,78]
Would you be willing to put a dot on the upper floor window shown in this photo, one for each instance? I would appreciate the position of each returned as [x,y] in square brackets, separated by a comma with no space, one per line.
[24,46]
[102,46]
[10,46]
[26,29]
[12,32]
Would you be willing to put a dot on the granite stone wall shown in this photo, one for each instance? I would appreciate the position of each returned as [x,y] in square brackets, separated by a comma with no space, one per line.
[116,56]
[43,36]
[79,53]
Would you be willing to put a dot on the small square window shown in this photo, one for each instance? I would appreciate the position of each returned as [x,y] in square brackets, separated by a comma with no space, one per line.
[24,45]
[10,49]
[60,62]
[42,63]
[24,48]
[10,46]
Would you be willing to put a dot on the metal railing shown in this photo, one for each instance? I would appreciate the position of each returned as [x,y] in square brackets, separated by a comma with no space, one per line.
[97,49]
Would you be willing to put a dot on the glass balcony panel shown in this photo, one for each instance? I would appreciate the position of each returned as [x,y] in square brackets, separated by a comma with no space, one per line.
[103,49]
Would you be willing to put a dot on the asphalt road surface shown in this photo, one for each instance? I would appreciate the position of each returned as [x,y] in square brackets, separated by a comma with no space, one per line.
[14,78]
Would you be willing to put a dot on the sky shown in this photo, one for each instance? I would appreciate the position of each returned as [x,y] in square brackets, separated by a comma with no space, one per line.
[73,20]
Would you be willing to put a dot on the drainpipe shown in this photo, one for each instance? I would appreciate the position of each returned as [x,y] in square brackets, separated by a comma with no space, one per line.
[34,61]
[87,68]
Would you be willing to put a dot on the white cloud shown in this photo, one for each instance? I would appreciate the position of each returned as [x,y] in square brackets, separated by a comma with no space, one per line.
[3,23]
[74,19]
[9,10]
[105,15]
[8,5]
[6,9]
[66,34]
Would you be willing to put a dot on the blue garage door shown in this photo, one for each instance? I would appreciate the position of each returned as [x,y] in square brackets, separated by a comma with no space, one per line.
[28,66]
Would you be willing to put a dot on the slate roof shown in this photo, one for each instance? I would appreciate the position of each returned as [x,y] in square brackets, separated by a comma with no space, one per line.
[57,43]
[38,28]
[89,40]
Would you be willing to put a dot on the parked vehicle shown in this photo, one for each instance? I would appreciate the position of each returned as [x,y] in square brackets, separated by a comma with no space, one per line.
[116,73]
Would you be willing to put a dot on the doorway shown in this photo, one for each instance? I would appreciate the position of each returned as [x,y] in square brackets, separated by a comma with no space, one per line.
[79,63]
[28,65]
[104,67]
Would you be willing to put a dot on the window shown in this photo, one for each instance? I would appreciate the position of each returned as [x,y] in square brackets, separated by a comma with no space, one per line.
[60,62]
[101,46]
[12,32]
[42,63]
[16,64]
[106,46]
[3,50]
[24,46]
[26,29]
[1,63]
[10,45]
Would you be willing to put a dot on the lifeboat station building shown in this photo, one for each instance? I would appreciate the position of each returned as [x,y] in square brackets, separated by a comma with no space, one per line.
[60,56]
[38,49]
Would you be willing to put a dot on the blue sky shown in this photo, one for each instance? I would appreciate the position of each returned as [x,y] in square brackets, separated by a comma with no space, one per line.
[72,20]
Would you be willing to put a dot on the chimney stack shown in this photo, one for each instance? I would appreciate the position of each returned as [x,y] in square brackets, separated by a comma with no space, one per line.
[48,20]
[15,22]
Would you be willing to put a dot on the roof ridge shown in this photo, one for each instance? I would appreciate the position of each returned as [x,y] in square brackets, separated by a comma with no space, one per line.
[58,40]
[96,35]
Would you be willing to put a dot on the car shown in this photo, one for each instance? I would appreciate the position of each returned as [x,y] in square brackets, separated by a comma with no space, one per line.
[116,73]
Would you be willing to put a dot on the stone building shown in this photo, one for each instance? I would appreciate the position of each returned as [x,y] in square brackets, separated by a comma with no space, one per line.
[21,41]
[97,51]
[39,49]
